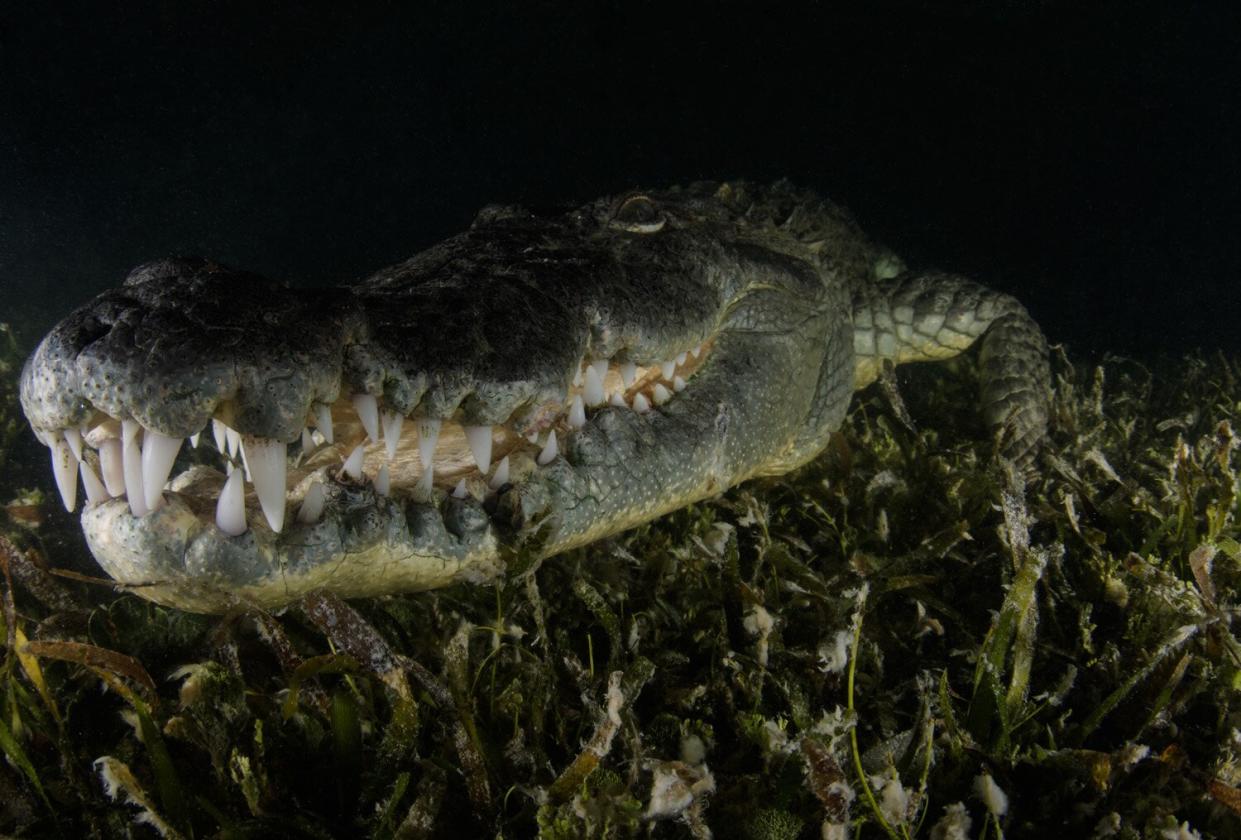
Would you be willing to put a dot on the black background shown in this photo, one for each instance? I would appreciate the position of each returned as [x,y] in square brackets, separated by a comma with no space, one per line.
[1083,156]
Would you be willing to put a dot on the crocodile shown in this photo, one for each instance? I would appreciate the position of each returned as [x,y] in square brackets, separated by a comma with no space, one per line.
[541,381]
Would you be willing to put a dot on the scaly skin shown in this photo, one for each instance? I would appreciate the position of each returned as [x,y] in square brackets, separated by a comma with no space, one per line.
[795,306]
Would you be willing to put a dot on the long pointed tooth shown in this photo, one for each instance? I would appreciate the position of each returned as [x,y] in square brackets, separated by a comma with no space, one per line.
[131,457]
[308,441]
[667,369]
[577,413]
[323,421]
[158,453]
[233,442]
[367,408]
[230,510]
[479,438]
[113,466]
[681,357]
[500,478]
[64,467]
[353,464]
[312,504]
[592,389]
[194,440]
[73,437]
[459,492]
[641,404]
[601,368]
[428,436]
[268,460]
[96,493]
[660,394]
[618,400]
[383,481]
[393,425]
[678,384]
[245,459]
[549,450]
[577,377]
[220,432]
[628,372]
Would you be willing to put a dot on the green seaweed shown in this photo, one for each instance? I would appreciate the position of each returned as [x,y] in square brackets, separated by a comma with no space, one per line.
[902,638]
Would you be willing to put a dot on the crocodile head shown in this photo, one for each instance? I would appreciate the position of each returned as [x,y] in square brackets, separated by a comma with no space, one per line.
[569,374]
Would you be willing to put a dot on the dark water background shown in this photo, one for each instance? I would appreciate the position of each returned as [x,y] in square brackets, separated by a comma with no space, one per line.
[1084,156]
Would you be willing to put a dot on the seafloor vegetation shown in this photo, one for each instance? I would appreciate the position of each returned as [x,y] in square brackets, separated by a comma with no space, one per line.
[904,639]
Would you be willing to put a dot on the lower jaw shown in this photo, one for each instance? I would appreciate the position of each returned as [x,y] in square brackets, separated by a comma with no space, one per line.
[173,557]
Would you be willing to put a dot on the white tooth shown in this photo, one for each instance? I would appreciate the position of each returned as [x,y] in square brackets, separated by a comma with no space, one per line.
[601,368]
[479,438]
[158,453]
[323,420]
[308,441]
[194,439]
[681,357]
[383,481]
[131,457]
[367,408]
[245,460]
[501,474]
[549,451]
[232,442]
[629,372]
[577,377]
[618,400]
[312,505]
[668,369]
[230,510]
[660,394]
[423,488]
[428,436]
[112,465]
[96,493]
[64,467]
[107,429]
[696,350]
[593,388]
[641,404]
[73,437]
[533,437]
[220,432]
[678,384]
[353,464]
[318,439]
[393,425]
[577,413]
[459,492]
[269,464]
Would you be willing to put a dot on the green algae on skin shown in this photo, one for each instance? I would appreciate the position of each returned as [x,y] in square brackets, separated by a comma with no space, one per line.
[1037,652]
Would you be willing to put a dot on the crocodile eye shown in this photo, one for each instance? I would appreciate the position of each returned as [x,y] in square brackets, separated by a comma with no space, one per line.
[639,214]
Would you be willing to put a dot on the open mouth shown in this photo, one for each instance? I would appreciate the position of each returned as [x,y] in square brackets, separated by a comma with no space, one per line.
[356,439]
